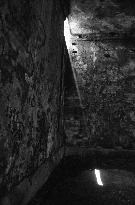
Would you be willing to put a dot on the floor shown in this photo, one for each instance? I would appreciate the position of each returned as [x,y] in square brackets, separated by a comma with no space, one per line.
[76,184]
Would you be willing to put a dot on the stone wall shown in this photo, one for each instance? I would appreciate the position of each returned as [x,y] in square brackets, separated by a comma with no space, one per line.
[102,51]
[106,77]
[31,86]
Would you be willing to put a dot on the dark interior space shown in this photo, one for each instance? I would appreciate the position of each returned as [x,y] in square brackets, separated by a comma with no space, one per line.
[67,102]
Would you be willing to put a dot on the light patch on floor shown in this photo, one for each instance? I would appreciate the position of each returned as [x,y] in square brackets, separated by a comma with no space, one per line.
[98,177]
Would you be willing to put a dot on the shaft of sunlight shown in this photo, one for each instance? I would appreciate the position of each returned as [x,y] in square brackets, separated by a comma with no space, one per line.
[98,177]
[70,47]
[67,33]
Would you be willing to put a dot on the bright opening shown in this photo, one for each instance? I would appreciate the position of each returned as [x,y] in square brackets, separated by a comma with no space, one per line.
[67,33]
[98,177]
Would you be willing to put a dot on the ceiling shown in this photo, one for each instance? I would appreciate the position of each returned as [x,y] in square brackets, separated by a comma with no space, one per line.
[113,17]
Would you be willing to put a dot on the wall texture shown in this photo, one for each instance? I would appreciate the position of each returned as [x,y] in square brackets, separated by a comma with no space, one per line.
[31,86]
[105,73]
[103,56]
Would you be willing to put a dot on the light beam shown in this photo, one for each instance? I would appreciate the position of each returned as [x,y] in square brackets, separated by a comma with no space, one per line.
[67,33]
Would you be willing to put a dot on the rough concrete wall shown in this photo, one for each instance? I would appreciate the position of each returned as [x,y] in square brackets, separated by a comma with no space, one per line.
[106,76]
[102,50]
[31,53]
